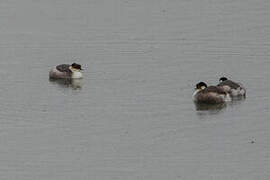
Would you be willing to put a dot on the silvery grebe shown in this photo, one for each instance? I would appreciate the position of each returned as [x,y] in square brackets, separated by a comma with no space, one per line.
[210,95]
[67,71]
[231,87]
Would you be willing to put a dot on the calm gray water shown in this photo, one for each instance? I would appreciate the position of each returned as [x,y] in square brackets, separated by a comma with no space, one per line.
[132,116]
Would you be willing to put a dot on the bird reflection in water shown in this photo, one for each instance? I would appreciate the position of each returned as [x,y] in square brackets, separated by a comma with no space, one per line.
[207,107]
[211,109]
[236,101]
[73,83]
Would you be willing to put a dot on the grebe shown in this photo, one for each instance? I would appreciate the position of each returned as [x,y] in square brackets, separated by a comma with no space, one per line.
[66,71]
[210,95]
[231,87]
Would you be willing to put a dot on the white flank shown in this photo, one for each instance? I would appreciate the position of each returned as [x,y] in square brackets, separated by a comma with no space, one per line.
[76,75]
[195,93]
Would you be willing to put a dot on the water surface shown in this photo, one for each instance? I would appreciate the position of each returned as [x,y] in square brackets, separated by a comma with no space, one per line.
[132,116]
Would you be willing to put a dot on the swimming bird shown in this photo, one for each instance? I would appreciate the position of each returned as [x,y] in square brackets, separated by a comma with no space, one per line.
[66,71]
[231,87]
[210,94]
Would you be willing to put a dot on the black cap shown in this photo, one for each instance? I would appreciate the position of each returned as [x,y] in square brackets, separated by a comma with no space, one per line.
[201,84]
[223,79]
[76,66]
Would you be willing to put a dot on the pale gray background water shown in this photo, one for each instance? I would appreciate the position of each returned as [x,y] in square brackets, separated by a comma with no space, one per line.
[133,117]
